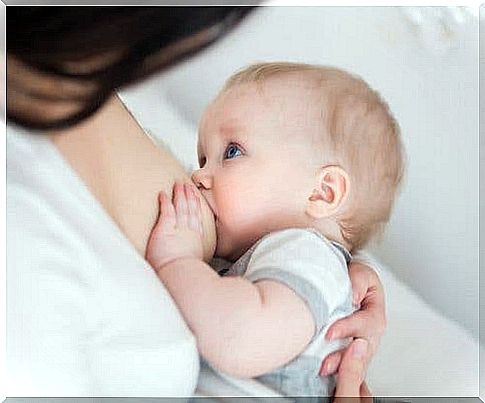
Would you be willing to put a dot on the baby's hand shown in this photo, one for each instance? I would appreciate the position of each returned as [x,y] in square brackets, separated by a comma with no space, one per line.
[177,233]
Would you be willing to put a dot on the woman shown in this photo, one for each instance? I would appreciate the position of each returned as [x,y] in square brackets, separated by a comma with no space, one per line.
[86,314]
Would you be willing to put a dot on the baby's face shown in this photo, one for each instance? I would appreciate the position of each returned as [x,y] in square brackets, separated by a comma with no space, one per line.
[257,161]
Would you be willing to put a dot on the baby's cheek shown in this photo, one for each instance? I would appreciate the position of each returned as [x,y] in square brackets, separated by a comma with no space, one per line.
[240,216]
[232,209]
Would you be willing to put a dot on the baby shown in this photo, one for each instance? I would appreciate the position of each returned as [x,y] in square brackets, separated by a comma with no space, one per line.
[300,165]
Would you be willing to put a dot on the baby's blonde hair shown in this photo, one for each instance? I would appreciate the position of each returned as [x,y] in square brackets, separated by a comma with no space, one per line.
[361,135]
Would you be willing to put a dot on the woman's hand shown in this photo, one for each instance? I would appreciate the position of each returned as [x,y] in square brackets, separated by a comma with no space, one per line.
[177,233]
[351,373]
[369,322]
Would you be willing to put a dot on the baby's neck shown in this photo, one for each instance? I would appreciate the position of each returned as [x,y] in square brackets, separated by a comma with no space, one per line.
[328,228]
[331,230]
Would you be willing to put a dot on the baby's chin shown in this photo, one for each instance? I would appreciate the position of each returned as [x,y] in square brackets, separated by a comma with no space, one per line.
[230,255]
[227,249]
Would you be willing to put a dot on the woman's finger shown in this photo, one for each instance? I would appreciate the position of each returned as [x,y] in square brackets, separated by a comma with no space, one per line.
[180,203]
[331,362]
[365,392]
[368,322]
[359,324]
[351,372]
[360,277]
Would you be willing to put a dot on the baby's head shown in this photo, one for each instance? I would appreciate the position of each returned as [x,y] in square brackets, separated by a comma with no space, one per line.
[294,145]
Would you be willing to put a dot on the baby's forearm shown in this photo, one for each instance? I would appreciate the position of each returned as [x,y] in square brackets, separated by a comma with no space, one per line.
[234,320]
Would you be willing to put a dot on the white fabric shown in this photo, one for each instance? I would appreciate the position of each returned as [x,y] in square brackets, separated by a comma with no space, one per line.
[86,315]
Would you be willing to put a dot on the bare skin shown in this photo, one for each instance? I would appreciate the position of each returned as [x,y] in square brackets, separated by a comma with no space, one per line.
[125,176]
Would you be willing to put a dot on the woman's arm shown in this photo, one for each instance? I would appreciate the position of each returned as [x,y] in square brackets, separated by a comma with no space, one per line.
[243,329]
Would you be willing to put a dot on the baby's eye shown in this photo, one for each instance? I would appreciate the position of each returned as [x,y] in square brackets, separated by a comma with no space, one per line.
[232,151]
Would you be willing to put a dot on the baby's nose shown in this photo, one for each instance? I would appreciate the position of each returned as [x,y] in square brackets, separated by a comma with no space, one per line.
[202,178]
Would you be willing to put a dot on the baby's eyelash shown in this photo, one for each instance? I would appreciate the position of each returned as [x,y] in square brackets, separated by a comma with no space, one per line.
[235,146]
[239,146]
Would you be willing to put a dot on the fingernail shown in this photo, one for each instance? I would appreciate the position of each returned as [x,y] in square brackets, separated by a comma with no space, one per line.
[333,334]
[359,348]
[329,368]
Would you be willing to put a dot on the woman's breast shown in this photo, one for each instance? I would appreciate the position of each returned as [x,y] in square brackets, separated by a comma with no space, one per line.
[133,201]
[125,171]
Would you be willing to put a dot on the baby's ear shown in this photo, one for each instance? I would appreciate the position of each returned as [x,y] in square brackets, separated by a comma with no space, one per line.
[331,189]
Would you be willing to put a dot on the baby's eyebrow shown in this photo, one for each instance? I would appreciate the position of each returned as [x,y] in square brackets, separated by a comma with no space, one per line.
[230,128]
[237,133]
[227,130]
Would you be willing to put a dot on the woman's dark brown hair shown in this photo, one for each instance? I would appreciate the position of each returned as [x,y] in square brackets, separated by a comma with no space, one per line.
[81,55]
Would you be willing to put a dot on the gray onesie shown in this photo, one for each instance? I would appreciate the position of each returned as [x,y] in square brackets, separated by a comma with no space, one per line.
[317,270]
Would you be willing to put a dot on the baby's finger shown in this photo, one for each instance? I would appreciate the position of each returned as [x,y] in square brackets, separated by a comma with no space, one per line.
[331,363]
[199,209]
[166,218]
[180,203]
[192,207]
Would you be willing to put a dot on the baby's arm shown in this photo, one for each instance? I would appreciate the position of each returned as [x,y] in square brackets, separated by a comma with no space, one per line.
[242,328]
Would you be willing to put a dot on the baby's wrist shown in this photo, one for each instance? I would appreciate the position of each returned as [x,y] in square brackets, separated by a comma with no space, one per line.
[171,263]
